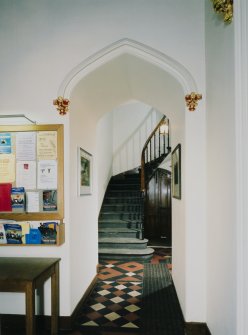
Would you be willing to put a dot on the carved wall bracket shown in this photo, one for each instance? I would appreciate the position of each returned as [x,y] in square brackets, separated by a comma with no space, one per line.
[192,100]
[224,7]
[62,105]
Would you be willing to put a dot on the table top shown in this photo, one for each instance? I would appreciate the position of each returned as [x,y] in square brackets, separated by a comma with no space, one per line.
[24,268]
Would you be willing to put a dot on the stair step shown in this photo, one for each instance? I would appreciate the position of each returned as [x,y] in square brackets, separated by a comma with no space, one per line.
[120,215]
[117,232]
[124,186]
[118,200]
[123,194]
[128,178]
[125,207]
[126,193]
[122,243]
[144,255]
[107,223]
[120,221]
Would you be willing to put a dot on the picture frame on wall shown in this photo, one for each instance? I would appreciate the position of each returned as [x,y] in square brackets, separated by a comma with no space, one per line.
[85,169]
[176,172]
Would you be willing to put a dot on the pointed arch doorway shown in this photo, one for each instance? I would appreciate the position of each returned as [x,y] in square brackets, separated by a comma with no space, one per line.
[124,71]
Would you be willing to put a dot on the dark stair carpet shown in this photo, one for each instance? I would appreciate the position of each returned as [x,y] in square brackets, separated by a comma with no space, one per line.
[120,221]
[161,313]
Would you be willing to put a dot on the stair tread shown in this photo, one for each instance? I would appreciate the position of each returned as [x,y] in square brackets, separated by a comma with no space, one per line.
[121,203]
[121,240]
[119,212]
[123,183]
[114,197]
[145,251]
[121,230]
[117,220]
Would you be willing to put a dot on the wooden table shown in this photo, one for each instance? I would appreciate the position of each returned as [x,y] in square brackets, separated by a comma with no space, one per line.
[25,274]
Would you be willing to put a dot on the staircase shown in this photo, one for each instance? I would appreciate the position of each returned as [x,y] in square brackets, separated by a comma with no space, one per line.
[120,221]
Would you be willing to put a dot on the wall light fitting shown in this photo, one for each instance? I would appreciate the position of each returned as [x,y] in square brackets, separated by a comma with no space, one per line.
[164,128]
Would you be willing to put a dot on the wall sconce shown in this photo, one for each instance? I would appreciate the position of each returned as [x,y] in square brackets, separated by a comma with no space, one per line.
[164,128]
[224,7]
[191,100]
[62,105]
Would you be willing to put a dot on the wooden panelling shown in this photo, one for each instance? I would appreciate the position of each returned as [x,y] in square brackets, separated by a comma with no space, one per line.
[158,206]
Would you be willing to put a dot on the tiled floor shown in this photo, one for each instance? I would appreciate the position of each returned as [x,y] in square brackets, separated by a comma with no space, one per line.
[121,271]
[163,255]
[114,307]
[116,300]
[115,304]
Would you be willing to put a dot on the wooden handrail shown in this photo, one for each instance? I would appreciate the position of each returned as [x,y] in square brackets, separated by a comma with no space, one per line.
[142,173]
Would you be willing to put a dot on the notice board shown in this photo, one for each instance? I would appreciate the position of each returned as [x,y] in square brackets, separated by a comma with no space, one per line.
[32,172]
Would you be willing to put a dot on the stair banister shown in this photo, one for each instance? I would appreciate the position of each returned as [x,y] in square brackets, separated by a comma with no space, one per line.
[143,160]
[146,158]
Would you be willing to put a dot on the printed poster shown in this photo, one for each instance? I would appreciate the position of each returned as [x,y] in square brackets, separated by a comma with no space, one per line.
[5,143]
[47,175]
[7,168]
[47,145]
[26,174]
[33,202]
[26,146]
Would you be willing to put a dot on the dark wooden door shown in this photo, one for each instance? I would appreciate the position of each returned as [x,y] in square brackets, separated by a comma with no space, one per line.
[158,207]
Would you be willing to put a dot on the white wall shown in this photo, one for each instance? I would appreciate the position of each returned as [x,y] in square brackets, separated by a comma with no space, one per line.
[41,42]
[104,154]
[133,123]
[221,209]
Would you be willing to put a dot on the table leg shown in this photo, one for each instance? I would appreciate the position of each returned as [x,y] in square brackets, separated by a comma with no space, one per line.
[30,309]
[55,299]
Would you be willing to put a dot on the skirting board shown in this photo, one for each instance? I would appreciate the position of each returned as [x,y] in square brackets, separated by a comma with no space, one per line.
[16,321]
[196,328]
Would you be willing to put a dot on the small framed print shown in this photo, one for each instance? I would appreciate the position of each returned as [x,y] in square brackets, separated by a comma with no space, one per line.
[84,172]
[176,172]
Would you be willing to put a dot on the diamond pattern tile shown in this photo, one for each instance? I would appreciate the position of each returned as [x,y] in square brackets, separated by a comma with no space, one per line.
[114,306]
[118,306]
[121,271]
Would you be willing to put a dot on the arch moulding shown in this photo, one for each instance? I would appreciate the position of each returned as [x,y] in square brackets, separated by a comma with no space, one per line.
[127,46]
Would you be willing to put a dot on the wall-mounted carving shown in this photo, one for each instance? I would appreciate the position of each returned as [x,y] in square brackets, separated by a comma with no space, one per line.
[192,100]
[62,105]
[225,8]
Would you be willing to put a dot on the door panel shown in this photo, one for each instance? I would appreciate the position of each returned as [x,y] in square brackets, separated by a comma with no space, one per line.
[158,207]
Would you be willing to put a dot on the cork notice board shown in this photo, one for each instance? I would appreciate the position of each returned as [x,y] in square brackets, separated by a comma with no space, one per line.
[31,172]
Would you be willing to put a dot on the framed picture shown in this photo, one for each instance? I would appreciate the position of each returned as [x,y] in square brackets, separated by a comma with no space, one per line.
[84,172]
[176,172]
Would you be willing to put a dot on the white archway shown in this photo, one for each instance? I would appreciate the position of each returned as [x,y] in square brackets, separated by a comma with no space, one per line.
[128,46]
[102,82]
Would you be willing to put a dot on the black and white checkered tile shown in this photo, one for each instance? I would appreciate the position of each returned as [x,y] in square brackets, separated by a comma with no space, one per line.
[113,304]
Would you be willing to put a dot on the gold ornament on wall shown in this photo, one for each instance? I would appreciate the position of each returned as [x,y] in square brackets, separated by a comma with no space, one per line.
[225,8]
[62,105]
[192,100]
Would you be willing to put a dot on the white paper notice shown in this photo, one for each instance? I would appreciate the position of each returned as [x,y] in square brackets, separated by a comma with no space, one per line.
[7,168]
[47,145]
[47,175]
[33,202]
[26,146]
[26,174]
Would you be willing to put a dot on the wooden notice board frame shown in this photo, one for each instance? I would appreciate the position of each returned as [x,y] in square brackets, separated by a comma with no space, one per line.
[42,216]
